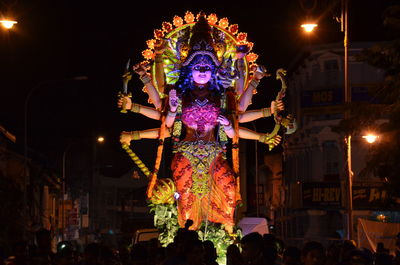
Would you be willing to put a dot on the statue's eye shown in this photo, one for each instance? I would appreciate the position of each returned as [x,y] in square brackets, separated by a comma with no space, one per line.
[201,68]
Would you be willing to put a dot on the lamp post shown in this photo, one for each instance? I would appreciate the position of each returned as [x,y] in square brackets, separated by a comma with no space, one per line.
[99,139]
[93,209]
[347,100]
[369,138]
[309,27]
[25,137]
[63,192]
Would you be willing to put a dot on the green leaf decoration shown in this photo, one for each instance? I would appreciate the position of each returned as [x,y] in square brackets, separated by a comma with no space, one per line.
[166,221]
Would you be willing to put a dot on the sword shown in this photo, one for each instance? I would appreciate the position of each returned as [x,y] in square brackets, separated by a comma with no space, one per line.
[126,77]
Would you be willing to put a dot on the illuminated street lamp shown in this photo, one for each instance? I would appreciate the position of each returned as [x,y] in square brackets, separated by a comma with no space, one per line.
[370,138]
[347,99]
[309,27]
[93,210]
[8,24]
[382,218]
[100,140]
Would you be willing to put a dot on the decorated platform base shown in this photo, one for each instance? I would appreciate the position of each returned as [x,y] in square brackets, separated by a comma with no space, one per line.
[166,221]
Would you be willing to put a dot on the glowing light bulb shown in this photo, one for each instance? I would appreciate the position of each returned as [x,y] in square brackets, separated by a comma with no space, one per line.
[370,138]
[100,139]
[381,217]
[309,27]
[8,24]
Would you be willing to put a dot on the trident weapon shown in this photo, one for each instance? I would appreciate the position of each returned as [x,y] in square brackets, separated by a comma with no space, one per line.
[126,77]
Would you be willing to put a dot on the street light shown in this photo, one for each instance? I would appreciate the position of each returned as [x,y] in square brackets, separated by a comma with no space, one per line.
[370,138]
[99,139]
[310,23]
[8,24]
[63,192]
[93,209]
[309,27]
[347,100]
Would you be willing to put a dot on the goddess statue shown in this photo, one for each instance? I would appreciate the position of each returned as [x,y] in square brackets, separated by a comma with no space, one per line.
[200,88]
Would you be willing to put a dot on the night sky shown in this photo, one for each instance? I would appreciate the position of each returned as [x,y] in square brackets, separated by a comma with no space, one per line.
[55,41]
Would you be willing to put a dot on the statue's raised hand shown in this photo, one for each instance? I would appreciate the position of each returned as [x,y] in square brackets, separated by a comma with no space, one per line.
[270,141]
[173,100]
[140,68]
[223,120]
[277,106]
[125,138]
[160,46]
[124,102]
[259,71]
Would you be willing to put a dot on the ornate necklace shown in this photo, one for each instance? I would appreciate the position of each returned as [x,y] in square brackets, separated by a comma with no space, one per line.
[201,103]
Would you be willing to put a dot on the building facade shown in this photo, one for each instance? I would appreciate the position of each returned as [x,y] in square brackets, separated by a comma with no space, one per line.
[314,171]
[30,194]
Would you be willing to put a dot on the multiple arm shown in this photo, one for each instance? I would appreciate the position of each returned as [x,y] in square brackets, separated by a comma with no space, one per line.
[140,69]
[127,137]
[151,113]
[241,52]
[127,104]
[173,101]
[151,90]
[245,97]
[245,133]
[159,48]
[230,132]
[244,101]
[252,115]
[240,67]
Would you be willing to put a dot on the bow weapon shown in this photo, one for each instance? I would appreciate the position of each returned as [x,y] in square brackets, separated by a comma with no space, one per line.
[286,121]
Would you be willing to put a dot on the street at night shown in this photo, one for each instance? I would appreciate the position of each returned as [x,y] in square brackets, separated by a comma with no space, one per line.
[212,132]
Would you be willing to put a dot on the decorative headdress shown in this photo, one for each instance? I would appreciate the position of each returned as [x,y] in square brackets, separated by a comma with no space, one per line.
[191,36]
[201,42]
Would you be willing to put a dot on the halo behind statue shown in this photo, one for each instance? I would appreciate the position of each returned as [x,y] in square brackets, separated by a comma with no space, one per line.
[225,40]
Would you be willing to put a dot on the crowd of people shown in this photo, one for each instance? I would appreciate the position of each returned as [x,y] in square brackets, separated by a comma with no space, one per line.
[188,249]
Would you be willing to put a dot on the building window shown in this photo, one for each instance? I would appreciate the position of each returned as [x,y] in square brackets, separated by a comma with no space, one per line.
[315,68]
[331,65]
[331,68]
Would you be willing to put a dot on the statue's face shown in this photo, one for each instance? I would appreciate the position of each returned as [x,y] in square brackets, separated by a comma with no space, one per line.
[201,73]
